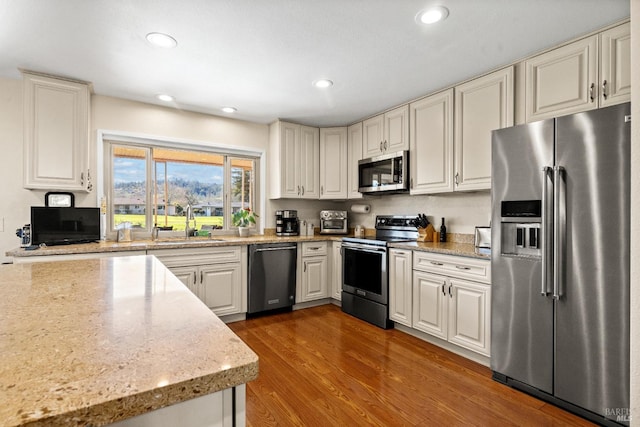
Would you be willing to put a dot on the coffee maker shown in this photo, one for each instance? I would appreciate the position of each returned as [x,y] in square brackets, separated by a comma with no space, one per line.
[287,223]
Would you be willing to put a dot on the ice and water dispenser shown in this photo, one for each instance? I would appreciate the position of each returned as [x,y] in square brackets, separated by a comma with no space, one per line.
[521,227]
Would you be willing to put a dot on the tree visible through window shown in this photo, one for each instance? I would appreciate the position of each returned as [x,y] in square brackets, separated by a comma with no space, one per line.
[178,178]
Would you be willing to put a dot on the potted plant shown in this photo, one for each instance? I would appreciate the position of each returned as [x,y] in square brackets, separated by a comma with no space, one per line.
[243,219]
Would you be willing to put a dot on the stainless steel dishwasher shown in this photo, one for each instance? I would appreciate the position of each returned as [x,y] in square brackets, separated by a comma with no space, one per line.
[272,276]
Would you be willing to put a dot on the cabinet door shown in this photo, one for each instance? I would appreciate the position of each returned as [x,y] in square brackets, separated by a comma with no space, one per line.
[615,65]
[431,142]
[309,162]
[314,278]
[400,289]
[333,163]
[336,271]
[396,130]
[562,81]
[221,288]
[430,303]
[354,141]
[56,131]
[188,276]
[481,105]
[289,160]
[372,136]
[469,315]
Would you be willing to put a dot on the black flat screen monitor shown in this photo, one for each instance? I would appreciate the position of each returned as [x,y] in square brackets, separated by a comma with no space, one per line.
[63,226]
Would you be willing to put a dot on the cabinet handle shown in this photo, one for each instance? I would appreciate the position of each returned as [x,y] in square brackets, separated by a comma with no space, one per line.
[298,190]
[604,89]
[201,277]
[412,183]
[459,267]
[82,179]
[380,145]
[436,263]
[443,292]
[195,280]
[450,293]
[321,190]
[591,88]
[302,190]
[305,266]
[89,184]
[385,145]
[456,178]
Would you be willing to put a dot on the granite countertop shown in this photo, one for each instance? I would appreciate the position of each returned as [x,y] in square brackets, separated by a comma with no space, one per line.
[447,248]
[450,248]
[170,243]
[95,341]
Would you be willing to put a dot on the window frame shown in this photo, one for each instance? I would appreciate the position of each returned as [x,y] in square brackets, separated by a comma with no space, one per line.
[104,181]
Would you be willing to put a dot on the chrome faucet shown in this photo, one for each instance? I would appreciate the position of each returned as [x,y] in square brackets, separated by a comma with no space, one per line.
[188,215]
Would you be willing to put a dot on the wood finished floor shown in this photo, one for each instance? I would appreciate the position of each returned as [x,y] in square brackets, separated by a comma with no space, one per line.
[321,367]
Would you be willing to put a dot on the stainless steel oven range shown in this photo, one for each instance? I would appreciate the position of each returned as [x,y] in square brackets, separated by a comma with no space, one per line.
[365,281]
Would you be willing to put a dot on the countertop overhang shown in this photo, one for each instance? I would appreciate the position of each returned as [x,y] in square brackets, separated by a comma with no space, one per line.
[96,341]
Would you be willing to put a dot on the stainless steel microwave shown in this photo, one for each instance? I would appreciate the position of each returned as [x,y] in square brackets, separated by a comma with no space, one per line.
[389,172]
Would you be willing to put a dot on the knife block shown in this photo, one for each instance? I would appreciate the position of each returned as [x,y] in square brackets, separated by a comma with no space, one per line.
[426,234]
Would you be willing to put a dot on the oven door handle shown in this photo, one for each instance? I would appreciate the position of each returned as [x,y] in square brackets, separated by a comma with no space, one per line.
[364,248]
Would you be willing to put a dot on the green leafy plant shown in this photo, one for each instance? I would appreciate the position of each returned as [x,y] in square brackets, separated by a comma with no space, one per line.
[244,218]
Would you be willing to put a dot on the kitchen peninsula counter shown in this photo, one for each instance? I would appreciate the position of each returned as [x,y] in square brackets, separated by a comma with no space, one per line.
[95,341]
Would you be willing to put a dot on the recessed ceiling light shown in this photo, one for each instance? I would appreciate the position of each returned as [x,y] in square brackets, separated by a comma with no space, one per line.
[161,40]
[432,15]
[323,83]
[165,98]
[229,109]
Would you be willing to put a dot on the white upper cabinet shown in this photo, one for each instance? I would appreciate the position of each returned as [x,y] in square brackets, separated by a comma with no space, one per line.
[615,65]
[56,131]
[562,81]
[481,105]
[372,136]
[334,165]
[354,142]
[294,153]
[386,133]
[589,73]
[431,144]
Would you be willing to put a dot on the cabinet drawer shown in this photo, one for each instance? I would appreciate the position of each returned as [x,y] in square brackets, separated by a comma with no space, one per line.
[453,266]
[197,256]
[314,248]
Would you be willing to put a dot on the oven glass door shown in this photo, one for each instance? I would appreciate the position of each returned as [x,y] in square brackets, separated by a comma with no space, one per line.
[365,272]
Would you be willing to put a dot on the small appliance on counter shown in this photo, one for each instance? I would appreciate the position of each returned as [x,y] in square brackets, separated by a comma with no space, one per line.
[287,223]
[24,234]
[333,222]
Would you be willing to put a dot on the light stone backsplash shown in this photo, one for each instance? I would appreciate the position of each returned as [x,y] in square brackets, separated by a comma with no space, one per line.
[462,211]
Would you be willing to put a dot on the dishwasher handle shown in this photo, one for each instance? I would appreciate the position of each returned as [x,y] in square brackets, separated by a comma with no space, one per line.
[282,248]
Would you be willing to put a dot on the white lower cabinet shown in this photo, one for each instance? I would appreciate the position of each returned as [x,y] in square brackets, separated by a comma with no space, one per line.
[400,298]
[218,276]
[448,305]
[313,283]
[445,296]
[336,270]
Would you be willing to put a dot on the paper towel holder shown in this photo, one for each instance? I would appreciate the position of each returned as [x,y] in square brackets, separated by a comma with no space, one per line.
[360,208]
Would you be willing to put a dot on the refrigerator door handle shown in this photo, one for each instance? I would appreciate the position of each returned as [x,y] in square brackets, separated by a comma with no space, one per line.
[558,229]
[544,231]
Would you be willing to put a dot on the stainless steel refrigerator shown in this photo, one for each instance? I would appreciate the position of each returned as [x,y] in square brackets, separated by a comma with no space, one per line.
[560,261]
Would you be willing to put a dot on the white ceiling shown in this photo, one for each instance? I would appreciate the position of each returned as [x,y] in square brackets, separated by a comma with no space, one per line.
[261,56]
